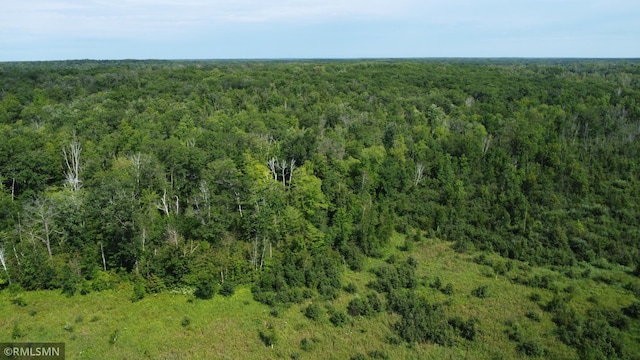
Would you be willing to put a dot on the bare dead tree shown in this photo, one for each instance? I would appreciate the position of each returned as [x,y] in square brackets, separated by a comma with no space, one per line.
[486,143]
[292,166]
[202,204]
[163,205]
[4,264]
[136,161]
[239,203]
[272,166]
[144,237]
[42,215]
[15,253]
[172,235]
[419,174]
[264,250]
[71,154]
[254,254]
[283,167]
[104,261]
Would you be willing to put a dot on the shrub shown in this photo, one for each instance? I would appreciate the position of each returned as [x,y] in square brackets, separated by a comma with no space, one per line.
[533,316]
[358,307]
[338,318]
[377,354]
[351,288]
[375,303]
[186,321]
[155,284]
[448,289]
[420,321]
[535,297]
[227,289]
[114,337]
[18,300]
[313,312]
[408,246]
[307,344]
[531,348]
[104,281]
[269,337]
[615,317]
[466,329]
[392,259]
[480,292]
[85,287]
[513,331]
[205,288]
[437,283]
[138,291]
[633,310]
[70,281]
[16,332]
[411,261]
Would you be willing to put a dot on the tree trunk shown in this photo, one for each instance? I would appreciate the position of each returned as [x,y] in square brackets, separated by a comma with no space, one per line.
[104,262]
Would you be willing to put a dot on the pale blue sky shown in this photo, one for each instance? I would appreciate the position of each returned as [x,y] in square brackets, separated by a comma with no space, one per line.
[232,29]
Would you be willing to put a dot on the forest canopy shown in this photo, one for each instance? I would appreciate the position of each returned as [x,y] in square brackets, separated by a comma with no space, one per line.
[277,173]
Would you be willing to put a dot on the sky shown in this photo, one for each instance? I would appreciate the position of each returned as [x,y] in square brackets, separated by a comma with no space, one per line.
[33,30]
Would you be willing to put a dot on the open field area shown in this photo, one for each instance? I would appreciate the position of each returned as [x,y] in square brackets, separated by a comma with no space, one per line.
[175,326]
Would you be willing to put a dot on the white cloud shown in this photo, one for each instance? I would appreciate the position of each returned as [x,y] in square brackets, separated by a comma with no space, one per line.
[386,27]
[81,18]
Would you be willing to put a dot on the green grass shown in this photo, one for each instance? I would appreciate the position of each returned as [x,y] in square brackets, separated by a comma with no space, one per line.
[108,325]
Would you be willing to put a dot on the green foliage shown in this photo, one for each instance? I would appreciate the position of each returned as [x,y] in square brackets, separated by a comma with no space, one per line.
[18,300]
[139,291]
[351,288]
[338,318]
[269,336]
[281,175]
[186,321]
[154,284]
[447,289]
[531,348]
[533,316]
[421,321]
[359,307]
[206,288]
[114,336]
[465,329]
[377,354]
[70,280]
[481,291]
[227,289]
[307,344]
[394,276]
[592,336]
[633,310]
[314,312]
[16,332]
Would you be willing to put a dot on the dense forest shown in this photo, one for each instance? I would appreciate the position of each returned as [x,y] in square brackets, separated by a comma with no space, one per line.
[281,175]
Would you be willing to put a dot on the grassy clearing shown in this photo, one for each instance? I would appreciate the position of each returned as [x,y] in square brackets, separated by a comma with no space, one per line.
[108,325]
